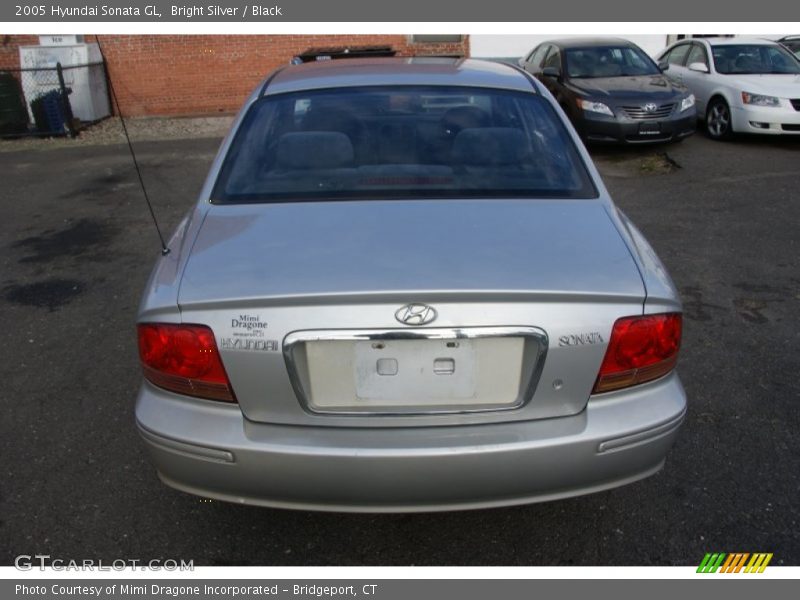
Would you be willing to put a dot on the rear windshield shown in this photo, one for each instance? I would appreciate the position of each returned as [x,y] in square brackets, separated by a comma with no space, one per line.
[609,61]
[744,59]
[401,142]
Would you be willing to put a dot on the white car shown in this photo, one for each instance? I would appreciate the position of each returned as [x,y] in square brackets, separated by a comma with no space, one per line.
[740,85]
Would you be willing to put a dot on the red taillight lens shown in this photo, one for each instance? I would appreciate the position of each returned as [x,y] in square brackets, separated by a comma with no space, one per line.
[183,359]
[641,349]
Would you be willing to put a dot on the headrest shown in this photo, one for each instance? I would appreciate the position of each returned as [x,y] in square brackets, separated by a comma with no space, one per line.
[314,150]
[489,146]
[464,117]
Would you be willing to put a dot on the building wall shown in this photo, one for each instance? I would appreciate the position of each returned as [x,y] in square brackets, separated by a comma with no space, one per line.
[9,48]
[207,74]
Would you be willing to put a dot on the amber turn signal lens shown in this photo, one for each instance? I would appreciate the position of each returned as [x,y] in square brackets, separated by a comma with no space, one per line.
[641,349]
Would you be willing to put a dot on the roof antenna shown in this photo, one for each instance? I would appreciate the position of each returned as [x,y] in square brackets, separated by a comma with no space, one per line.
[164,249]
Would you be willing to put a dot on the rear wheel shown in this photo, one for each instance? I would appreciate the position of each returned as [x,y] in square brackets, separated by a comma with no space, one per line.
[718,120]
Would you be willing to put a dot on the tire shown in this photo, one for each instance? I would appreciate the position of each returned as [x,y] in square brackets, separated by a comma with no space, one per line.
[719,123]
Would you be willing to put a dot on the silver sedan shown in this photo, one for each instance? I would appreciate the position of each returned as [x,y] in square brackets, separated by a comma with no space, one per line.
[404,287]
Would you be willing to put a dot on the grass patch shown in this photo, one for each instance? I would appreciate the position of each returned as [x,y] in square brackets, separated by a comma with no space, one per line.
[659,163]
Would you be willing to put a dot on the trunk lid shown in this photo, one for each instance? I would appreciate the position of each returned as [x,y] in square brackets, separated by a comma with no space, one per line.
[264,275]
[323,250]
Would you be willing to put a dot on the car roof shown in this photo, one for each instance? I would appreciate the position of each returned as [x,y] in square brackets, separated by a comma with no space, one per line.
[585,42]
[353,72]
[728,41]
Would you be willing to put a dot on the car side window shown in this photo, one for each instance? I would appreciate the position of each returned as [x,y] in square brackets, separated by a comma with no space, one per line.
[537,57]
[529,57]
[677,56]
[553,58]
[697,55]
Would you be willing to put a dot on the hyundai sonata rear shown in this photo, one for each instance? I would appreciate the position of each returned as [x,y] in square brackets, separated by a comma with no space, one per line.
[404,287]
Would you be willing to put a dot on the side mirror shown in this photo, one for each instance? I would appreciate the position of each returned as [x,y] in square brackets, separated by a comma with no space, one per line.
[699,67]
[663,66]
[552,72]
[521,62]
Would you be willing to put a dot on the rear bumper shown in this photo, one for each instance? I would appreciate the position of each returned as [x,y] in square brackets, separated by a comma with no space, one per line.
[620,130]
[211,450]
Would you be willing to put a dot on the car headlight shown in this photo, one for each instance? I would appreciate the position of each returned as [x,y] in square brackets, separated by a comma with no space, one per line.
[687,102]
[760,100]
[597,107]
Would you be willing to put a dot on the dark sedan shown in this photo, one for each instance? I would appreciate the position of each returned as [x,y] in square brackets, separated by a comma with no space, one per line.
[612,91]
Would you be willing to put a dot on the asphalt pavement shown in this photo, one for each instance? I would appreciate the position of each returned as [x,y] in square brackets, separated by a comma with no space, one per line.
[75,482]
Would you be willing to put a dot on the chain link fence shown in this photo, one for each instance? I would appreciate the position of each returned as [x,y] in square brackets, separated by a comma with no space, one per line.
[39,101]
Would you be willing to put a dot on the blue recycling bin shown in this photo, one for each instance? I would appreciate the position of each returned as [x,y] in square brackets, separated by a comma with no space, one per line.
[48,113]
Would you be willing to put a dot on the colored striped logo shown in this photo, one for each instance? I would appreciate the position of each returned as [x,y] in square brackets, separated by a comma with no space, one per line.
[735,562]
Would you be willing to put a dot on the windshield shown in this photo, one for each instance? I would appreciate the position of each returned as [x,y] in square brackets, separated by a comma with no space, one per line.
[748,59]
[401,142]
[608,61]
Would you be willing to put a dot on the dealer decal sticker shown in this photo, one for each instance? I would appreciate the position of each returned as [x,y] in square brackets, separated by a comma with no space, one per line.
[248,331]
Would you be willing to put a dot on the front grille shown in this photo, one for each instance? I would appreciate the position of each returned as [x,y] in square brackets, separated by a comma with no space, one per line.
[639,113]
[786,127]
[796,103]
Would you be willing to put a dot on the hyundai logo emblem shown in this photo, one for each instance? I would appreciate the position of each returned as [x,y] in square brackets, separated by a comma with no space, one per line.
[650,107]
[415,314]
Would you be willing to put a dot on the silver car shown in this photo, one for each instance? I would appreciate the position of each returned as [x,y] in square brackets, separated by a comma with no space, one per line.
[404,287]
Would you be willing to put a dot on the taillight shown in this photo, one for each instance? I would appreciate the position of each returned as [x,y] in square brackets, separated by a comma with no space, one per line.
[183,359]
[640,349]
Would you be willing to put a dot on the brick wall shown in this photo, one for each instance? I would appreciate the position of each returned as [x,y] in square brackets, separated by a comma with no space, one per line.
[9,48]
[207,74]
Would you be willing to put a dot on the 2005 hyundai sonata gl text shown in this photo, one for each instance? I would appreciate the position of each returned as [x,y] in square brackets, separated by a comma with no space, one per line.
[404,287]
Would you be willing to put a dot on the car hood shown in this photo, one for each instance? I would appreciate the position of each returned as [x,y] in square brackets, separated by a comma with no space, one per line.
[642,88]
[329,249]
[783,86]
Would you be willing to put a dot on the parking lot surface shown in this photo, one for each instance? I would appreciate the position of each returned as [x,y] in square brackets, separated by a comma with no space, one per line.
[75,483]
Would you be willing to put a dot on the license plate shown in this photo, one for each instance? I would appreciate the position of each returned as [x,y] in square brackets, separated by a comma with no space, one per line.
[649,128]
[416,374]
[393,370]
